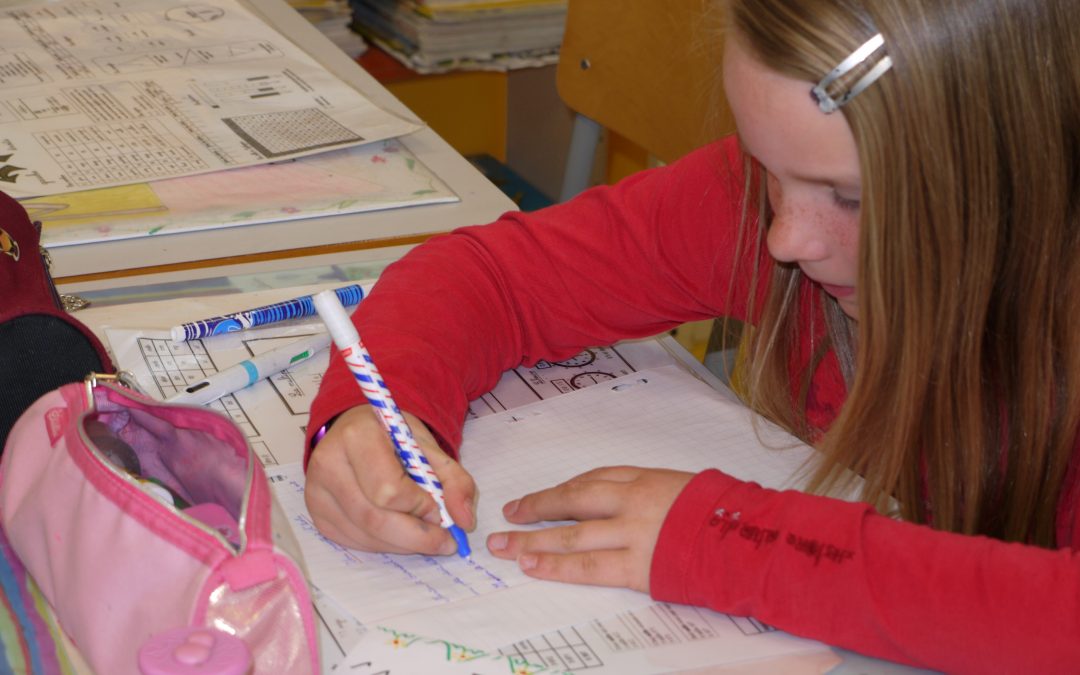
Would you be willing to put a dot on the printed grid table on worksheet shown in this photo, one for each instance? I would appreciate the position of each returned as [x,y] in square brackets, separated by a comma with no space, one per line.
[565,649]
[658,625]
[176,365]
[124,151]
[271,412]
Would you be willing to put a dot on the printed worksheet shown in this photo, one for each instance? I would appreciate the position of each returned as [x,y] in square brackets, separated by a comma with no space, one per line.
[659,639]
[274,412]
[98,93]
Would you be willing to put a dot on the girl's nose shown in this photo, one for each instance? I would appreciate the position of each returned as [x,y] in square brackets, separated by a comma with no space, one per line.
[794,238]
[795,234]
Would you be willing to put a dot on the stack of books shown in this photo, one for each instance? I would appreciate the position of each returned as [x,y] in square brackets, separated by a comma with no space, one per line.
[333,18]
[439,35]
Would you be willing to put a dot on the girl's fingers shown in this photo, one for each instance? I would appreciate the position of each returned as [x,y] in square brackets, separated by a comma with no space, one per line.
[383,531]
[617,568]
[603,553]
[588,536]
[375,468]
[359,495]
[459,489]
[576,499]
[618,474]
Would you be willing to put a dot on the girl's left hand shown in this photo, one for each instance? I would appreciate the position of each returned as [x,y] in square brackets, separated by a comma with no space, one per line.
[619,511]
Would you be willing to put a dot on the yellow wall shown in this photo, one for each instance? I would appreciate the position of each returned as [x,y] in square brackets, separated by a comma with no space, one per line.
[468,109]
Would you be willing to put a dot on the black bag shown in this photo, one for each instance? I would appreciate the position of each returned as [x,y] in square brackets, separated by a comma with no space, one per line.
[41,345]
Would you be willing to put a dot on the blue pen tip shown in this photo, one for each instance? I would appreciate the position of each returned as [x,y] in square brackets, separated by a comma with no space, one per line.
[458,534]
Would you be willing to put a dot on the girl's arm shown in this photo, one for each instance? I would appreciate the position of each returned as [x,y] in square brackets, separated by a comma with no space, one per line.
[445,322]
[813,566]
[617,262]
[841,573]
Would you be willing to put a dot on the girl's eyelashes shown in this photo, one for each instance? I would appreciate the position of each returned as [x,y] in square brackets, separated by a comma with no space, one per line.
[845,203]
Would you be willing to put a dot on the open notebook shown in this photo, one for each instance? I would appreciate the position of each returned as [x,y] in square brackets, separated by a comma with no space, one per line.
[659,417]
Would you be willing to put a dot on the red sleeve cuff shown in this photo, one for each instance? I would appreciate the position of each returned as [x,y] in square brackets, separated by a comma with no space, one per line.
[676,548]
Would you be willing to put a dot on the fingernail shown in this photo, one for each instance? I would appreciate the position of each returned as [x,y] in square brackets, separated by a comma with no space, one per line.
[511,507]
[527,561]
[497,541]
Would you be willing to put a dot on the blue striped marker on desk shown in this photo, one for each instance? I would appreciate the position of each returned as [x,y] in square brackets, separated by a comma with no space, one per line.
[260,316]
[378,395]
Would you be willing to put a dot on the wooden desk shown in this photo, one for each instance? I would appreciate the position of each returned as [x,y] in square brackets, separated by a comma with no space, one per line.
[301,243]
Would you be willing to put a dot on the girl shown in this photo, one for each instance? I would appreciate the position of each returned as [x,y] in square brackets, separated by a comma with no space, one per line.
[899,221]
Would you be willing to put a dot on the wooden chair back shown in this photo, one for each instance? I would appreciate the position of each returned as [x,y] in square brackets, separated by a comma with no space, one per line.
[649,70]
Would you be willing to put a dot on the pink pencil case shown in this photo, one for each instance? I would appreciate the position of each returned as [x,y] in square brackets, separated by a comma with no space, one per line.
[137,517]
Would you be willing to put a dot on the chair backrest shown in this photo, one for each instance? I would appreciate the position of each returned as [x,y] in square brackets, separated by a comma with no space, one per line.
[649,70]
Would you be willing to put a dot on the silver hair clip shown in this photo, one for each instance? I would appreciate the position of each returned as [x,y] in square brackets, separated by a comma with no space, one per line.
[820,92]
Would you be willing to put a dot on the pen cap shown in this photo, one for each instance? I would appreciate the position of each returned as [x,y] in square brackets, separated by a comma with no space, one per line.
[337,320]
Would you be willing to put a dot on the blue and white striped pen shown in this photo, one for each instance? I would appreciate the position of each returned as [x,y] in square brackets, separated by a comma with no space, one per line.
[260,316]
[359,361]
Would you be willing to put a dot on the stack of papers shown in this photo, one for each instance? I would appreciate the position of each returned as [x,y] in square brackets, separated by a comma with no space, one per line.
[440,35]
[156,118]
[333,18]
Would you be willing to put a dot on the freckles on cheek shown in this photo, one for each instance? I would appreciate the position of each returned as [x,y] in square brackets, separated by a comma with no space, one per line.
[840,227]
[847,231]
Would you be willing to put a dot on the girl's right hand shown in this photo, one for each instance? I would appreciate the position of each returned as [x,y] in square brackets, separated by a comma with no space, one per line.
[359,495]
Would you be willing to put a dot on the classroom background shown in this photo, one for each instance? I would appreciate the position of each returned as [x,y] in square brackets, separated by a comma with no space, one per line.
[507,115]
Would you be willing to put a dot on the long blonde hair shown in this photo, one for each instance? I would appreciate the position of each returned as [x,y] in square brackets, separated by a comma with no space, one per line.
[964,396]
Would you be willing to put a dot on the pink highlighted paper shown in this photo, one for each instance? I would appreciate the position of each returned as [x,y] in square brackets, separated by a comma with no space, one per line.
[376,176]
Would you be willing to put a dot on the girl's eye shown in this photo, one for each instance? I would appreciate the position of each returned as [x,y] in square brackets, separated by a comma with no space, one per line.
[845,203]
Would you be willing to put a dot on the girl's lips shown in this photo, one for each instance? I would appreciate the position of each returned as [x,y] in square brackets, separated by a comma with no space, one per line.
[838,291]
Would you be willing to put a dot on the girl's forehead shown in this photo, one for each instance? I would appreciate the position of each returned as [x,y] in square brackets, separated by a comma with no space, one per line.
[781,125]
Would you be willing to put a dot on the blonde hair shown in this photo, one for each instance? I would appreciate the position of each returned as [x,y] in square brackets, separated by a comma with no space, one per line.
[964,396]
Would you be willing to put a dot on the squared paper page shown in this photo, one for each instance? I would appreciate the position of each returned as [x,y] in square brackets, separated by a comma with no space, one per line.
[662,417]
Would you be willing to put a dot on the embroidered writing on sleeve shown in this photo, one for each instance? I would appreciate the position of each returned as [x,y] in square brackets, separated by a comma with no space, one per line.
[728,522]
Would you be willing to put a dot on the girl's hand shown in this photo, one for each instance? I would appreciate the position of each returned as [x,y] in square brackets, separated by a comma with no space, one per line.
[619,512]
[359,495]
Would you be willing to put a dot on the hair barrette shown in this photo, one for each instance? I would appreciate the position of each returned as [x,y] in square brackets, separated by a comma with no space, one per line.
[820,92]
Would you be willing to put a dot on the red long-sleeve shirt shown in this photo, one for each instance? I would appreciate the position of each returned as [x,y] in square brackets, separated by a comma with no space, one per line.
[642,257]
